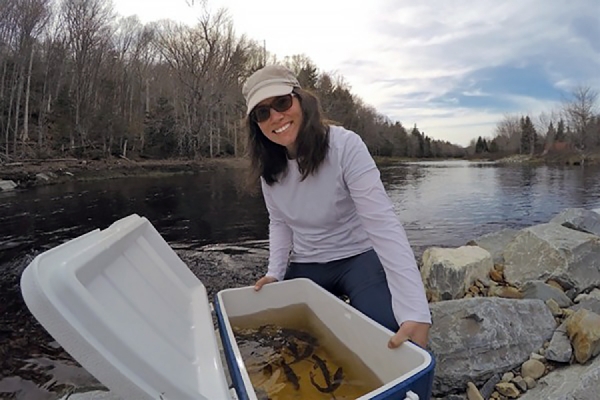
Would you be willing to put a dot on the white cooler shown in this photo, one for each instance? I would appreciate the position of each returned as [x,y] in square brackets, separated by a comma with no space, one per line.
[127,308]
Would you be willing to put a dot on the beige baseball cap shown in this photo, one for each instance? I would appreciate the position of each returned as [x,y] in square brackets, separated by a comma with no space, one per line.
[269,81]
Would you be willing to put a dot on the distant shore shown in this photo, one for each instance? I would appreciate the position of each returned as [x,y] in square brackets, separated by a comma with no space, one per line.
[30,173]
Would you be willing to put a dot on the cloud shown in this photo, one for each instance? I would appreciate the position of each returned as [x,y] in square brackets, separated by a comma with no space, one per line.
[446,65]
[453,67]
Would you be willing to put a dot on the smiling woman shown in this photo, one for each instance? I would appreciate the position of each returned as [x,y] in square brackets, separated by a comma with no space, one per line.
[331,220]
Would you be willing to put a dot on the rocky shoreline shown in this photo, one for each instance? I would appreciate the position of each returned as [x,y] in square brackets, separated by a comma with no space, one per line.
[27,174]
[516,314]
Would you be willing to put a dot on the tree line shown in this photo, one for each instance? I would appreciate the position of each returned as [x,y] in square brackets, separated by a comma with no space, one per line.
[78,80]
[573,127]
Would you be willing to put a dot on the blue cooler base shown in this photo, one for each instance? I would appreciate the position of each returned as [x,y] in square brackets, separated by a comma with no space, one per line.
[421,383]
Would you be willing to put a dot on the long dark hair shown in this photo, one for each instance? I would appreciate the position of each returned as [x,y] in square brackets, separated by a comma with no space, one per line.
[269,160]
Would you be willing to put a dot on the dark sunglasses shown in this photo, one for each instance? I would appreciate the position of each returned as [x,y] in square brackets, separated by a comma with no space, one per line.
[280,104]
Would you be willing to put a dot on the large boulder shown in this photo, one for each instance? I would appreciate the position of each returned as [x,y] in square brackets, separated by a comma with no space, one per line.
[448,272]
[553,251]
[576,382]
[472,339]
[580,219]
[495,243]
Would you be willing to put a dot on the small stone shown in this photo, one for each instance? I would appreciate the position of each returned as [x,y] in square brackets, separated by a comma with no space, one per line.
[507,377]
[496,276]
[531,383]
[480,284]
[508,389]
[567,312]
[499,267]
[533,369]
[473,392]
[507,292]
[554,307]
[520,383]
[536,356]
[555,284]
[488,388]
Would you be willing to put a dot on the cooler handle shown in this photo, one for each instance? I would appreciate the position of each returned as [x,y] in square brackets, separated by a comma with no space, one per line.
[410,395]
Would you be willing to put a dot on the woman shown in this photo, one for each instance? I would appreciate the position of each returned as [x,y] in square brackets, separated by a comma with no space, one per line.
[330,216]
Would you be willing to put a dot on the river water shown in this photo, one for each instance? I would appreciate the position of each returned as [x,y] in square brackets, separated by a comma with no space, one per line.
[439,203]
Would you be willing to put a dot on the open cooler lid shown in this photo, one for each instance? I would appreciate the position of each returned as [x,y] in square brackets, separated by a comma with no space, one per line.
[127,308]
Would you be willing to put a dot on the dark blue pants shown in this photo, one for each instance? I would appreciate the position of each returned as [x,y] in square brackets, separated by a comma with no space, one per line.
[359,277]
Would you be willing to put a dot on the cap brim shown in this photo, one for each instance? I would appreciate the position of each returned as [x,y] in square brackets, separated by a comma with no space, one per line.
[266,92]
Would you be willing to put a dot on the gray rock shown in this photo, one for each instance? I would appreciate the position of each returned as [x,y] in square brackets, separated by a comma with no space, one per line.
[560,349]
[495,243]
[7,186]
[449,272]
[490,386]
[579,219]
[575,382]
[590,302]
[542,291]
[553,251]
[473,339]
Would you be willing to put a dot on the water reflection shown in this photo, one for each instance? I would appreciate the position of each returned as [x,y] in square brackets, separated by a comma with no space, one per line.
[449,203]
[439,203]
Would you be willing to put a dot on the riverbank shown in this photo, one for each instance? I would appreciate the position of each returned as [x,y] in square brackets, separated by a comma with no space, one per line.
[31,173]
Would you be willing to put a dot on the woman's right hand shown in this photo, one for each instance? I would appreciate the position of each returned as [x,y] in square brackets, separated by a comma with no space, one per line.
[263,281]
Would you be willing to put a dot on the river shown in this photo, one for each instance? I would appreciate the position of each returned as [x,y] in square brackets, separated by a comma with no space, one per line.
[439,204]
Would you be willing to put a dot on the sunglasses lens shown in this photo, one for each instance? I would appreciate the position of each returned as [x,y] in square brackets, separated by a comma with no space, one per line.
[262,114]
[279,104]
[282,103]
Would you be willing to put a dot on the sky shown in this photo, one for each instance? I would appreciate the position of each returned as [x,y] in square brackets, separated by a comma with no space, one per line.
[453,67]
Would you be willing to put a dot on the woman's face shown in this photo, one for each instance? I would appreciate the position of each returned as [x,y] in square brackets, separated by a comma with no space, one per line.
[282,127]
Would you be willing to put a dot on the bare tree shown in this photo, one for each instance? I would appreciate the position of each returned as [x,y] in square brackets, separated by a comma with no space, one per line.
[88,29]
[508,134]
[580,110]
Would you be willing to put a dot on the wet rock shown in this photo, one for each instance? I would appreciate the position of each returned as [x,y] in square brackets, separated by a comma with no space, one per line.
[553,251]
[579,219]
[583,329]
[543,291]
[560,349]
[495,243]
[7,186]
[473,339]
[450,272]
[568,383]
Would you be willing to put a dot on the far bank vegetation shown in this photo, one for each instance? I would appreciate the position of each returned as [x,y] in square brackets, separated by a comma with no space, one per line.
[77,80]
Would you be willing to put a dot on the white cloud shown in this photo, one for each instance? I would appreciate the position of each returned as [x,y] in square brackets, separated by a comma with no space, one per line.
[401,56]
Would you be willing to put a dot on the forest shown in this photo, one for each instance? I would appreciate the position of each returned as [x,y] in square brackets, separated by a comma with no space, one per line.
[78,80]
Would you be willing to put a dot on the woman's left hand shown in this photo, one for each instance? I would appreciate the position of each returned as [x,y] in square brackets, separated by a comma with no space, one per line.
[417,332]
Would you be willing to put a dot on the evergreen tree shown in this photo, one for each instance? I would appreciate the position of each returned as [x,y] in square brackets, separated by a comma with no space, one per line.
[560,132]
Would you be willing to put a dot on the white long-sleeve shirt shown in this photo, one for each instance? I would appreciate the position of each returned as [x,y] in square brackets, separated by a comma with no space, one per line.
[341,211]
